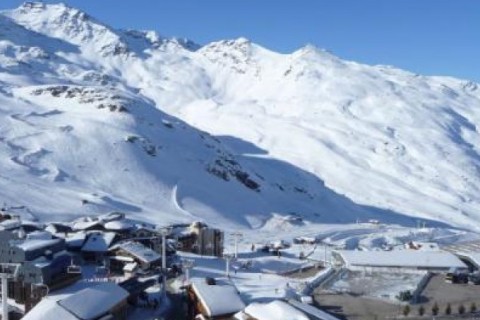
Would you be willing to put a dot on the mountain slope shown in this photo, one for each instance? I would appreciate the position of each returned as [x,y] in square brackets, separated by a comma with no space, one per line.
[304,133]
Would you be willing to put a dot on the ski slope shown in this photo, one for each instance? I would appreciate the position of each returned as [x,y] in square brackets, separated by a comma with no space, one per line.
[95,119]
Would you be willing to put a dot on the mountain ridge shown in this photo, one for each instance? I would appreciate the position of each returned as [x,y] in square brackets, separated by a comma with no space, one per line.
[345,141]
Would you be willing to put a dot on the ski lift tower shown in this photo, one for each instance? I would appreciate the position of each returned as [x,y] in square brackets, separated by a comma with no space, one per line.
[187,265]
[227,257]
[236,236]
[7,271]
[164,232]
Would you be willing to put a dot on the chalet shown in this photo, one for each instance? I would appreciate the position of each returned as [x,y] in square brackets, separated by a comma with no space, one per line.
[276,309]
[31,226]
[120,226]
[76,240]
[4,215]
[97,245]
[144,231]
[101,302]
[131,255]
[112,216]
[56,228]
[10,224]
[88,225]
[214,299]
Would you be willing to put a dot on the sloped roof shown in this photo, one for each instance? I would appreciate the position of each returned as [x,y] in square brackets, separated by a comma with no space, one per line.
[84,225]
[48,309]
[92,303]
[34,244]
[119,225]
[139,251]
[99,242]
[219,299]
[274,310]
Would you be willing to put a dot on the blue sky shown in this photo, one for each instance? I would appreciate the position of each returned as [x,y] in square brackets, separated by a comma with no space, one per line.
[434,37]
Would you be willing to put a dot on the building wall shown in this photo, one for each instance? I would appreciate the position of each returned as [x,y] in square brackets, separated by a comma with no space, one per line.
[54,248]
[119,312]
[9,254]
[210,242]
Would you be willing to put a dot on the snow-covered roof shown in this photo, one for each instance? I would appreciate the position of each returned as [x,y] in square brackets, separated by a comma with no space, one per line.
[34,224]
[39,235]
[118,225]
[311,310]
[219,299]
[146,226]
[274,310]
[10,224]
[139,251]
[401,258]
[76,240]
[130,267]
[93,302]
[34,244]
[112,216]
[57,227]
[83,225]
[48,309]
[122,259]
[99,242]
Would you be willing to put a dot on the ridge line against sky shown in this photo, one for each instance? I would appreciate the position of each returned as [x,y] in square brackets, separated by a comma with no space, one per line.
[431,37]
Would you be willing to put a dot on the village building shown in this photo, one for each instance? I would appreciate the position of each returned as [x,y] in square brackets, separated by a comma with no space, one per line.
[10,224]
[130,256]
[103,301]
[214,298]
[199,238]
[97,245]
[314,313]
[276,309]
[40,260]
[76,240]
[119,226]
[144,231]
[14,250]
[88,225]
[112,216]
[59,229]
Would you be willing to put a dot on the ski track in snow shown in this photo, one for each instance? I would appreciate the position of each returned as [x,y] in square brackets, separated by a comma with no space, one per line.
[230,132]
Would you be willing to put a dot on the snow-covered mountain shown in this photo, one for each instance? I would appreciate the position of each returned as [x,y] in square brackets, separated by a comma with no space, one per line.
[94,119]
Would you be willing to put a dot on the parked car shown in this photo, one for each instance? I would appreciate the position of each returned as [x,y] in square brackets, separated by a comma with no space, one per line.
[452,277]
[474,278]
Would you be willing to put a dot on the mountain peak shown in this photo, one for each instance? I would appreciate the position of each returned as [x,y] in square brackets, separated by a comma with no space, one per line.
[311,50]
[68,24]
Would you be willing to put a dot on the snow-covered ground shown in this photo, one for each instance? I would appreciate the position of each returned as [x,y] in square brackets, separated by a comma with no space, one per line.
[377,285]
[101,119]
